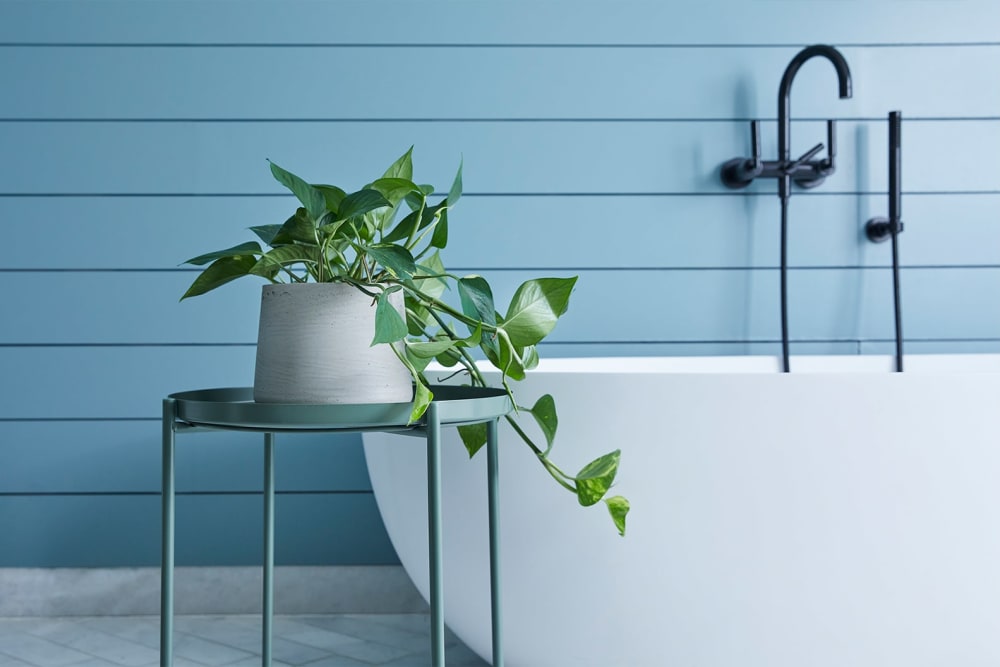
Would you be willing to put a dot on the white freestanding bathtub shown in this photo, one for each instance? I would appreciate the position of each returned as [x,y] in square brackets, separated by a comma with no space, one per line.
[837,516]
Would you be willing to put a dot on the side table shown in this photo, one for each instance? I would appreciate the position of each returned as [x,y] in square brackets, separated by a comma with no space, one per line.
[234,409]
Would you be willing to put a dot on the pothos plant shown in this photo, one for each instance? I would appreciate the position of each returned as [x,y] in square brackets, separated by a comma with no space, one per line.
[353,238]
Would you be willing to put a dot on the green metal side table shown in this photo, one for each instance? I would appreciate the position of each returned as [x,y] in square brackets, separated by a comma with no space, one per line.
[234,409]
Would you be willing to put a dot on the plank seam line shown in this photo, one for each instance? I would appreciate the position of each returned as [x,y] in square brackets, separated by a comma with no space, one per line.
[287,492]
[768,193]
[491,119]
[574,269]
[666,341]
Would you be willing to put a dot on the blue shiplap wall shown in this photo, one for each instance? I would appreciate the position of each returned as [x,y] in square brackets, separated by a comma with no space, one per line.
[134,135]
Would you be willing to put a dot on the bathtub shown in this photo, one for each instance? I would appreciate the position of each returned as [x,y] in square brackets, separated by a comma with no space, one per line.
[838,516]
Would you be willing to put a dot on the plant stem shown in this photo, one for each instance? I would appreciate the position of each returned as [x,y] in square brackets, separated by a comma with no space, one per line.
[441,305]
[322,253]
[471,366]
[553,469]
[416,223]
[467,361]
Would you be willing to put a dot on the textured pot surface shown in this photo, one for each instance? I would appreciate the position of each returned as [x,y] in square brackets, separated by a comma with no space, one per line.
[314,346]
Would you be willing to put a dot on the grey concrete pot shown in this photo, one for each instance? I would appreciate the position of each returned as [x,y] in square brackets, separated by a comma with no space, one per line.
[314,346]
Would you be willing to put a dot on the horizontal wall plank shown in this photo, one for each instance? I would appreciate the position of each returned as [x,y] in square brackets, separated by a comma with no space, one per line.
[266,83]
[624,305]
[437,21]
[110,382]
[117,531]
[584,157]
[527,231]
[124,457]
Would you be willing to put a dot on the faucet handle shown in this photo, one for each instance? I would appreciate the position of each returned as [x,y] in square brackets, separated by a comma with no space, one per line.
[808,155]
[755,143]
[814,173]
[740,171]
[831,141]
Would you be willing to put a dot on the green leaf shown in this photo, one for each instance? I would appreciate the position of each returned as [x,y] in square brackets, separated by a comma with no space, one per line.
[448,358]
[536,308]
[596,478]
[249,248]
[403,229]
[415,200]
[422,397]
[394,189]
[332,195]
[473,437]
[219,273]
[456,186]
[530,357]
[266,233]
[311,198]
[544,412]
[475,339]
[428,215]
[360,202]
[477,299]
[417,317]
[491,348]
[432,266]
[440,237]
[366,226]
[415,362]
[298,228]
[510,360]
[402,167]
[389,324]
[285,255]
[335,227]
[394,258]
[430,349]
[618,507]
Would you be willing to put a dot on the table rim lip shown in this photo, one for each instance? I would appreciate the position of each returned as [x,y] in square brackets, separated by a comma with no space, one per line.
[205,410]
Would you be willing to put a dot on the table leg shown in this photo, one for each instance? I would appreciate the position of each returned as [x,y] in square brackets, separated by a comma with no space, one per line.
[434,534]
[167,537]
[268,593]
[493,489]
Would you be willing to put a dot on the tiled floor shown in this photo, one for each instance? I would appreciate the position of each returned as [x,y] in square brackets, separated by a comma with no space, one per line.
[342,640]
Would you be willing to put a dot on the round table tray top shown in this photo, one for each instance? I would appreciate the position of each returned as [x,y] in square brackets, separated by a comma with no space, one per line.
[235,407]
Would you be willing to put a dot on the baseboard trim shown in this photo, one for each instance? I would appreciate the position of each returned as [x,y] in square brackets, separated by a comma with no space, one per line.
[206,590]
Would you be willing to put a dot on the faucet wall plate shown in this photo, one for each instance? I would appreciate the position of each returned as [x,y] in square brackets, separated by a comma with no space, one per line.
[738,173]
[877,230]
[808,183]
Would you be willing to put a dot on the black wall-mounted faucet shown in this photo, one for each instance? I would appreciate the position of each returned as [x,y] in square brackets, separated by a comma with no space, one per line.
[806,171]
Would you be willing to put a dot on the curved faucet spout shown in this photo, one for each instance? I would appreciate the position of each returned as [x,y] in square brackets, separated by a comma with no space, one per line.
[785,103]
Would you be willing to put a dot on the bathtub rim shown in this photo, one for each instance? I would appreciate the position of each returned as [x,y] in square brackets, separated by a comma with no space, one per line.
[760,364]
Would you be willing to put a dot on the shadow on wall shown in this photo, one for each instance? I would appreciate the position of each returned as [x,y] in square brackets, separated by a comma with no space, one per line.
[744,103]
